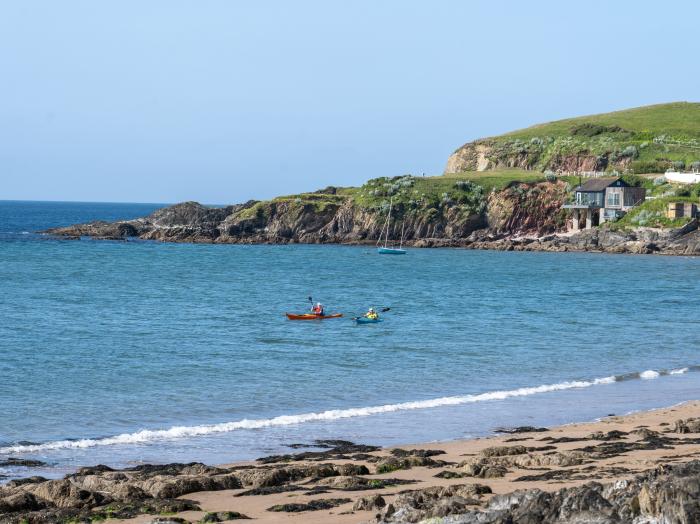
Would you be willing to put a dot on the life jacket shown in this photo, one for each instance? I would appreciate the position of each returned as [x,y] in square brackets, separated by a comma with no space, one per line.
[318,310]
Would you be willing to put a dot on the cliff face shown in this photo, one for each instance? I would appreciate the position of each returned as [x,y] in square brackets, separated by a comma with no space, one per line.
[518,209]
[548,153]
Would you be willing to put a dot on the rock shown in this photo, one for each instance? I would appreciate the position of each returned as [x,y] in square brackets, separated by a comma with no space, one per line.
[389,464]
[423,453]
[360,483]
[222,516]
[270,490]
[605,436]
[27,463]
[666,494]
[502,451]
[335,450]
[691,425]
[278,475]
[438,501]
[65,494]
[521,429]
[312,505]
[449,474]
[483,469]
[369,503]
[19,501]
[169,520]
[645,433]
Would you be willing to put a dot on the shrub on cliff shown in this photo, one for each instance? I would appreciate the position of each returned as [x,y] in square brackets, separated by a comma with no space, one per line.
[649,166]
[630,152]
[679,164]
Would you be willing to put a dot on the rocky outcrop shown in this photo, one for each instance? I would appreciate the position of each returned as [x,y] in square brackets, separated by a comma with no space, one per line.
[666,494]
[100,491]
[681,241]
[502,153]
[520,217]
[336,219]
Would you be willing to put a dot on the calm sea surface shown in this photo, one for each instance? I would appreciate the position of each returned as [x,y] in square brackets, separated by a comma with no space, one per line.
[127,352]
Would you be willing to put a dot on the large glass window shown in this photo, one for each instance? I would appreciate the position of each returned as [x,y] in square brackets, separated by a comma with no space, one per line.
[613,199]
[588,198]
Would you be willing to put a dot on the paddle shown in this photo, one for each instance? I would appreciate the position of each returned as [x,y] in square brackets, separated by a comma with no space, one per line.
[383,310]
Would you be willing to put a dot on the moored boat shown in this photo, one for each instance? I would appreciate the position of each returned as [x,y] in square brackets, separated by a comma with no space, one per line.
[386,249]
[391,251]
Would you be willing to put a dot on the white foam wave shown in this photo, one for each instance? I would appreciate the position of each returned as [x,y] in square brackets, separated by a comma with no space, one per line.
[178,432]
[649,374]
[678,371]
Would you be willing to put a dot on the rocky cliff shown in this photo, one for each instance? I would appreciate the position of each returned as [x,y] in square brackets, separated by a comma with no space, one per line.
[519,216]
[642,140]
[330,217]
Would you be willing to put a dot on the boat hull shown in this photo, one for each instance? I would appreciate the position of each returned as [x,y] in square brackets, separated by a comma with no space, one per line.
[364,320]
[390,251]
[310,316]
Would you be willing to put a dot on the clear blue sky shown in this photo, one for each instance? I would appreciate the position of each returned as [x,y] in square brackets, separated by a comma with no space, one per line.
[221,101]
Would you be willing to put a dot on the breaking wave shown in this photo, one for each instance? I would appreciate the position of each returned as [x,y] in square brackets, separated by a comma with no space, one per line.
[179,432]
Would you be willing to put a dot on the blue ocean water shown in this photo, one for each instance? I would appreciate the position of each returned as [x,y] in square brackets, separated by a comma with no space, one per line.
[128,352]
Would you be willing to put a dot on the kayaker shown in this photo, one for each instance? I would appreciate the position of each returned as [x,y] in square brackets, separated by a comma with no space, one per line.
[318,309]
[371,314]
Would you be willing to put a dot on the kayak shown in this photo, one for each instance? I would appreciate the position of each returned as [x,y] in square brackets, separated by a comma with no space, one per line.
[311,316]
[365,320]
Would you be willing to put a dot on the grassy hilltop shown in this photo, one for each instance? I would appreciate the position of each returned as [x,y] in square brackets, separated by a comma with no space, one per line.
[647,139]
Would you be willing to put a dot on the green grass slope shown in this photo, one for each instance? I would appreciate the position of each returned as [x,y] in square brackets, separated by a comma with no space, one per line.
[647,139]
[677,119]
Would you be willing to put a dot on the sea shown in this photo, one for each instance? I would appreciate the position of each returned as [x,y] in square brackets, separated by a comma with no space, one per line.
[130,352]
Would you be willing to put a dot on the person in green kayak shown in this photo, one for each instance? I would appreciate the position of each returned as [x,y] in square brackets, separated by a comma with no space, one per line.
[371,314]
[317,309]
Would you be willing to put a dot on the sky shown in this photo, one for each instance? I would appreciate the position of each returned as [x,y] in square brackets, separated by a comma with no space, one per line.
[221,101]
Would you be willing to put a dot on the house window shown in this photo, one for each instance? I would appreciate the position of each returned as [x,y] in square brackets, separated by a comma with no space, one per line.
[613,199]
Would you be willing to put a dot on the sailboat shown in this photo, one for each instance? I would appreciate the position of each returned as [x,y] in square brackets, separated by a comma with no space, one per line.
[385,249]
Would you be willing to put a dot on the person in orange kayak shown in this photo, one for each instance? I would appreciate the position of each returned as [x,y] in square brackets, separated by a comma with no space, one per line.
[317,309]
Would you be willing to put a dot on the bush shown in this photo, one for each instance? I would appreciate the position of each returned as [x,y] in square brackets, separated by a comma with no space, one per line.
[630,152]
[643,217]
[467,185]
[679,164]
[695,166]
[550,175]
[591,130]
[649,166]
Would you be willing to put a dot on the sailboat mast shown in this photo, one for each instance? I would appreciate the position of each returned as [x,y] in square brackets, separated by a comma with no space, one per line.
[388,220]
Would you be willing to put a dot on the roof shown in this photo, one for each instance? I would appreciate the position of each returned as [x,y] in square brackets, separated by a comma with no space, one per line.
[599,184]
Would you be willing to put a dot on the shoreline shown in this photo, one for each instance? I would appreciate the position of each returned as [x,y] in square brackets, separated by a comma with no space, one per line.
[645,241]
[337,481]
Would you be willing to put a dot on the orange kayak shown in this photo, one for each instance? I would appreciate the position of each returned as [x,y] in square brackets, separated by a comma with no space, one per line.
[311,316]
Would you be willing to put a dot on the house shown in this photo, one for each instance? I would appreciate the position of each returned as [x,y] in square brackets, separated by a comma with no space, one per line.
[682,209]
[602,199]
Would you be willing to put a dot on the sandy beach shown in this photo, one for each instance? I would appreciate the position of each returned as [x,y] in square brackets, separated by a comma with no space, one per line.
[609,450]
